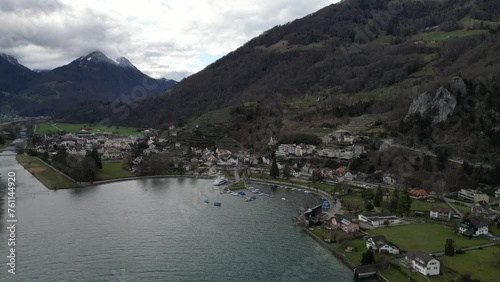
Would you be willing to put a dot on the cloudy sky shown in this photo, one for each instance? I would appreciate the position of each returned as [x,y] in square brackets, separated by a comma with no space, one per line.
[163,38]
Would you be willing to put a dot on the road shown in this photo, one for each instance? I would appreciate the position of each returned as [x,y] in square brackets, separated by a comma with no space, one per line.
[429,153]
[457,211]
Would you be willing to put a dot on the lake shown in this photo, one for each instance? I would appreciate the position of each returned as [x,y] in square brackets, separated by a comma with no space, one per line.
[159,230]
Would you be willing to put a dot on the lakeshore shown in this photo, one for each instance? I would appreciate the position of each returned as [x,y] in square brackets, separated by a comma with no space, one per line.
[351,260]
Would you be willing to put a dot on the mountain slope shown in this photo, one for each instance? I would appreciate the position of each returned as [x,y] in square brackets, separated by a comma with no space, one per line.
[94,77]
[13,75]
[349,49]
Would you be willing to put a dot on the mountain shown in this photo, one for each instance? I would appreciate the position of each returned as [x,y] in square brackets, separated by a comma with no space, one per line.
[13,75]
[94,77]
[356,53]
[348,59]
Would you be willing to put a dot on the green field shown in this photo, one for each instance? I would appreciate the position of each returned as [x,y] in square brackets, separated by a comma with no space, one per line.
[481,264]
[47,128]
[221,117]
[425,237]
[51,178]
[354,201]
[461,208]
[419,205]
[113,170]
[436,36]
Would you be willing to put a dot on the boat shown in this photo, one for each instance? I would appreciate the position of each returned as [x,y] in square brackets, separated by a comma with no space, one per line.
[253,197]
[307,192]
[221,180]
[234,194]
[206,201]
[293,189]
[217,204]
[241,193]
[283,199]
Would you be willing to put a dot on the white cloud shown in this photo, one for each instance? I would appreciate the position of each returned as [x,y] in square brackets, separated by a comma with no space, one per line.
[162,38]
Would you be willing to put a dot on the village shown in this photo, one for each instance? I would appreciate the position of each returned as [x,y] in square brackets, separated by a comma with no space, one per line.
[380,225]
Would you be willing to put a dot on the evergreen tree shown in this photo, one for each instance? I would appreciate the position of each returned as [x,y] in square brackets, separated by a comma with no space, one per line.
[97,158]
[317,175]
[368,257]
[368,205]
[404,204]
[377,199]
[449,250]
[393,204]
[274,172]
[286,171]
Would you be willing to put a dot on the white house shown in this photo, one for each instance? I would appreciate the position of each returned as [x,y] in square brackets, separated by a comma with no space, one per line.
[422,262]
[473,195]
[380,244]
[377,219]
[440,212]
[473,226]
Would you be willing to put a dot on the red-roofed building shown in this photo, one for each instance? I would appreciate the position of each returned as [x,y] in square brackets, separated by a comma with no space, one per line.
[341,171]
[418,193]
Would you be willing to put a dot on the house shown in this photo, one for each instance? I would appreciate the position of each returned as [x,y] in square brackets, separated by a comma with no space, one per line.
[418,193]
[112,154]
[377,219]
[344,224]
[421,262]
[440,212]
[380,244]
[483,209]
[389,179]
[473,226]
[473,195]
[497,193]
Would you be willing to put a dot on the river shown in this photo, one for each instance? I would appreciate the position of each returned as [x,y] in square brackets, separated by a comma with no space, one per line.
[158,230]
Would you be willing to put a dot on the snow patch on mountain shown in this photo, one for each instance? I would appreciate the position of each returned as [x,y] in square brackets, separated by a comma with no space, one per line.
[98,57]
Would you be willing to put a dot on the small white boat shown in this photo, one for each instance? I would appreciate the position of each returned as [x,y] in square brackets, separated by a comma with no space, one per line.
[293,189]
[221,180]
[283,199]
[307,192]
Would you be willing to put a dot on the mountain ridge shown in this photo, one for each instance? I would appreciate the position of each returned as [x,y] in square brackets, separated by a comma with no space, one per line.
[91,77]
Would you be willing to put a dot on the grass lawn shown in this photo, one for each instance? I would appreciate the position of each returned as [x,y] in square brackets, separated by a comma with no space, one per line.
[482,264]
[426,206]
[316,131]
[493,229]
[51,178]
[324,186]
[220,117]
[237,186]
[47,128]
[354,201]
[353,256]
[436,36]
[461,208]
[425,237]
[113,170]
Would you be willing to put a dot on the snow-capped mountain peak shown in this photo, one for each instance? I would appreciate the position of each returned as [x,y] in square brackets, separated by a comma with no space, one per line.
[9,59]
[99,57]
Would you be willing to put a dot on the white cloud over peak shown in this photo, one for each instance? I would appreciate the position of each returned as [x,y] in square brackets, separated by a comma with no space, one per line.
[163,38]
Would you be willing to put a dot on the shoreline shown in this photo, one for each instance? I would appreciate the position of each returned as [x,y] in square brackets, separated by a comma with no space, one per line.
[339,256]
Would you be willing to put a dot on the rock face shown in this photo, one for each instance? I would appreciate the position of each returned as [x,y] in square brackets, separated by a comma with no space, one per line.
[439,105]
